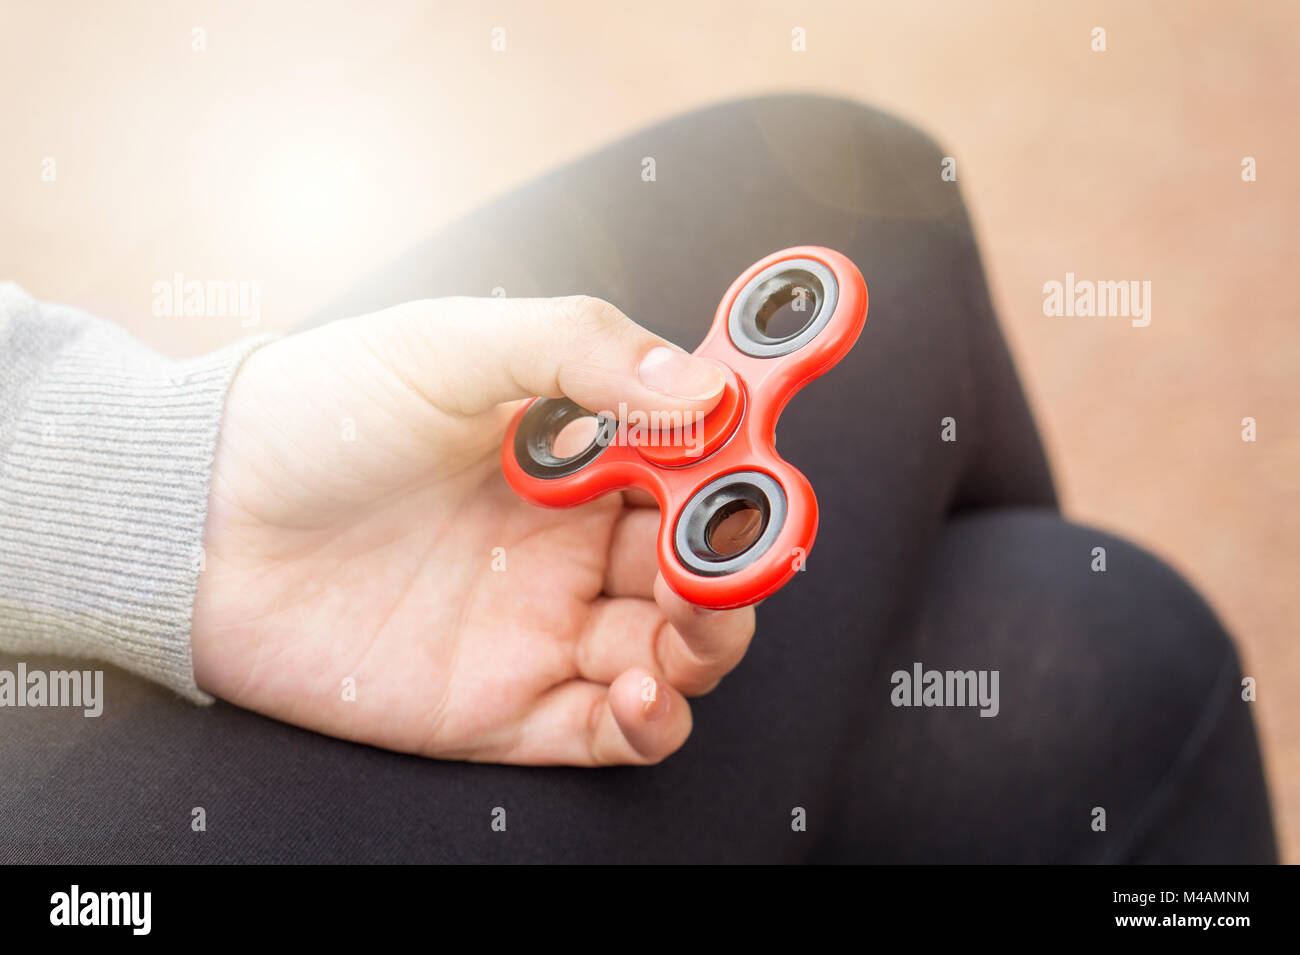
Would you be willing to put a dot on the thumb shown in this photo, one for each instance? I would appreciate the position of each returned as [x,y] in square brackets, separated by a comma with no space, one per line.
[471,354]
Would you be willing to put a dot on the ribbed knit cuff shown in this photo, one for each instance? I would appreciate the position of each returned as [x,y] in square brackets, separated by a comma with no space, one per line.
[103,497]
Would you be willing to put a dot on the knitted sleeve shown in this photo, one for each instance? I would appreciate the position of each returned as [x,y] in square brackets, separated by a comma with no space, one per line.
[106,452]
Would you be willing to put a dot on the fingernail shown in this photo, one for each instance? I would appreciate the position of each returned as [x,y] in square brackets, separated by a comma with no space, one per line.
[653,704]
[676,373]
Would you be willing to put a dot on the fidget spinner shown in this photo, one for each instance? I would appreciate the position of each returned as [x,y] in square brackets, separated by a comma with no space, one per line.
[737,521]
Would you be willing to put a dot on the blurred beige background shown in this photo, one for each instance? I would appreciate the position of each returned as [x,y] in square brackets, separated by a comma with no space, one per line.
[310,142]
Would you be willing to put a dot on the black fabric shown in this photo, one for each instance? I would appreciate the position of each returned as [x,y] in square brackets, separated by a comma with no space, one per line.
[1118,690]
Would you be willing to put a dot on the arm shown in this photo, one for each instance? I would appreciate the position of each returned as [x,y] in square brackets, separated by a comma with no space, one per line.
[105,457]
[337,548]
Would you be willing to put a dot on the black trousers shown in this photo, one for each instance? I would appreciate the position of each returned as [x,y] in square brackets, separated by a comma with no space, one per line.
[1119,692]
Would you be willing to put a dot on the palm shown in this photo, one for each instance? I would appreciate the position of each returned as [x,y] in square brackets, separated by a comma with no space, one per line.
[431,625]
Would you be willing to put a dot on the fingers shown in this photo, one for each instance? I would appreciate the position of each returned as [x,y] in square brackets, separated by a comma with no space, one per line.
[693,648]
[633,559]
[637,720]
[645,715]
[469,354]
[709,643]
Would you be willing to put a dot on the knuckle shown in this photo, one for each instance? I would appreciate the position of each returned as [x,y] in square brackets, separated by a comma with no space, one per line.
[700,682]
[700,674]
[585,315]
[654,759]
[418,315]
[584,659]
[687,671]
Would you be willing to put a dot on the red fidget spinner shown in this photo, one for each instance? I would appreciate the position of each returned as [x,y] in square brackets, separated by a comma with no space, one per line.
[737,520]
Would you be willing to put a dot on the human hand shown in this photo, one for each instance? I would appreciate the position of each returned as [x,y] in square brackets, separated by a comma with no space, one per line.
[359,529]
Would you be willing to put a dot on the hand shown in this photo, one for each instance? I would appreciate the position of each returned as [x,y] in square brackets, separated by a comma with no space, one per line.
[357,511]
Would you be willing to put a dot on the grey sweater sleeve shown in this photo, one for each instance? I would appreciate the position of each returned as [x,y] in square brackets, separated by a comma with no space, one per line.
[106,452]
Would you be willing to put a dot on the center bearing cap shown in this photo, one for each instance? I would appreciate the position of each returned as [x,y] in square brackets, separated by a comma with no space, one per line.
[696,439]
